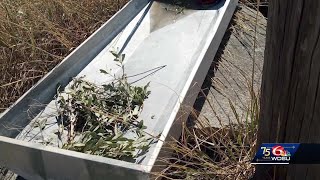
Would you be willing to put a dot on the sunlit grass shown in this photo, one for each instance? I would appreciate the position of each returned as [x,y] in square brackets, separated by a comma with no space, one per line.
[224,150]
[35,35]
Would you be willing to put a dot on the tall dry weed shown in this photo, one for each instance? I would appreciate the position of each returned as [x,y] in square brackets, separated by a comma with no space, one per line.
[35,35]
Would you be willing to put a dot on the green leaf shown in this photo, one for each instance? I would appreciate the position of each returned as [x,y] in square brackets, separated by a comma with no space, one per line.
[136,111]
[103,71]
[121,58]
[96,128]
[140,124]
[114,53]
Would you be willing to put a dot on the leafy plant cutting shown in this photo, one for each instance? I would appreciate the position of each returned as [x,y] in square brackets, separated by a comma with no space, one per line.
[104,119]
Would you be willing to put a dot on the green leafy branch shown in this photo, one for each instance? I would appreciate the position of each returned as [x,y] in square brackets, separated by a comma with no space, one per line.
[104,119]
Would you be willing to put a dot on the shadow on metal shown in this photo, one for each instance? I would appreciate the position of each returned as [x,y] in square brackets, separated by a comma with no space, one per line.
[193,4]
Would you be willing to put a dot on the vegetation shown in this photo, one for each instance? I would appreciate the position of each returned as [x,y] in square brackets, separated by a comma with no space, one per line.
[225,150]
[206,152]
[35,35]
[103,120]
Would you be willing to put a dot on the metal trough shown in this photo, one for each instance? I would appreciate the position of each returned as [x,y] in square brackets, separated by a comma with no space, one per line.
[177,47]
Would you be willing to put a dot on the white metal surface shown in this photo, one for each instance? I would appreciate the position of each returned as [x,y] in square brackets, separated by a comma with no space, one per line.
[176,47]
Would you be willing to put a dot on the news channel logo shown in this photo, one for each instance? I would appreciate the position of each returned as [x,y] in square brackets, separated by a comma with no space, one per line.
[275,153]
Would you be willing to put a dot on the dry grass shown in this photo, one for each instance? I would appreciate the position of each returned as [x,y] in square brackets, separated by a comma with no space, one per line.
[224,151]
[35,35]
[204,152]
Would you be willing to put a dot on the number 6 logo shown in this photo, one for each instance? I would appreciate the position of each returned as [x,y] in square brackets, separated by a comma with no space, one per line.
[278,151]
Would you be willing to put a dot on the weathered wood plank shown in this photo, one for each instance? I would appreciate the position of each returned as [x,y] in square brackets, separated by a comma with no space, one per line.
[290,93]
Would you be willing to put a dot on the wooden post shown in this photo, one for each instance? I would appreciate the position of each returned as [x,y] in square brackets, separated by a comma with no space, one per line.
[290,92]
